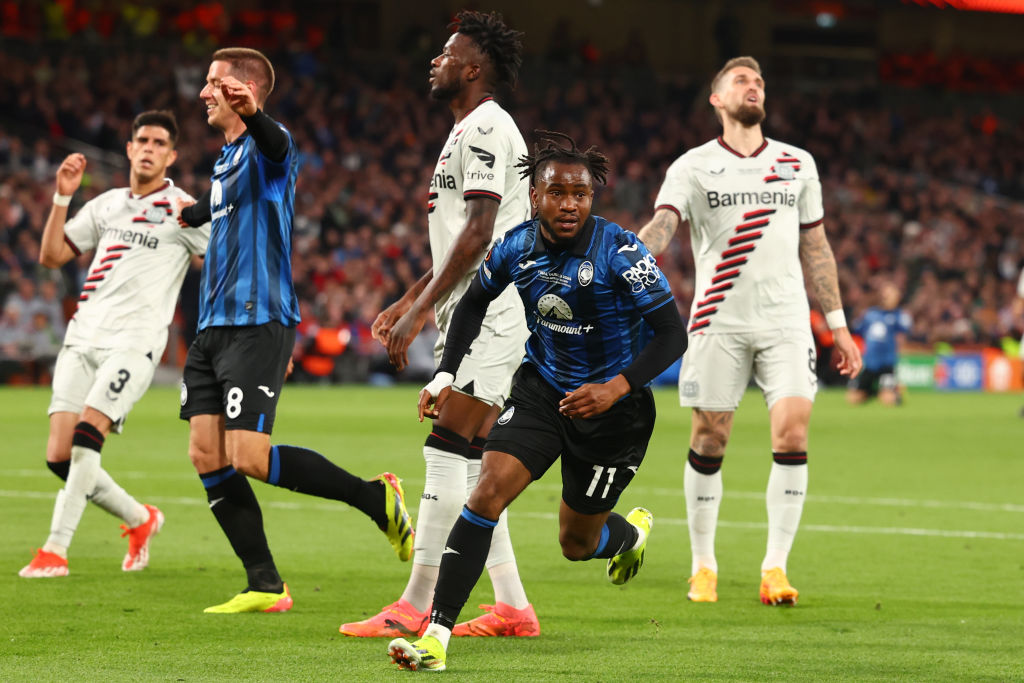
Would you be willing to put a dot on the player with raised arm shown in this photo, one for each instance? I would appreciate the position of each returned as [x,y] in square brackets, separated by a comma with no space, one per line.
[476,194]
[603,324]
[117,336]
[757,230]
[236,367]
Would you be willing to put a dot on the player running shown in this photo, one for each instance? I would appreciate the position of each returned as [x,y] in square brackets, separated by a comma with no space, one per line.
[476,194]
[882,327]
[757,230]
[235,370]
[593,295]
[117,336]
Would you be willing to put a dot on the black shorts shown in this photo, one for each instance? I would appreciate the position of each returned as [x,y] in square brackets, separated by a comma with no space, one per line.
[237,372]
[870,381]
[600,455]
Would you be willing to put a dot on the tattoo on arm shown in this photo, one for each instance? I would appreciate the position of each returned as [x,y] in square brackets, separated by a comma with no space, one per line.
[657,234]
[819,266]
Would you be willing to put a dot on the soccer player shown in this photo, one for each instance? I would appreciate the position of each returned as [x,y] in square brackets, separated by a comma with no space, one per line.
[235,370]
[757,230]
[117,336]
[593,295]
[476,194]
[882,328]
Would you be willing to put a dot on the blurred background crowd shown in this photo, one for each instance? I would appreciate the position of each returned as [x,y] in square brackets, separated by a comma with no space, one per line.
[921,158]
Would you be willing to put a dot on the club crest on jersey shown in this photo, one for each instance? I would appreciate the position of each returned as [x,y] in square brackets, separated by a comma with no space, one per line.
[154,214]
[184,392]
[237,157]
[552,306]
[585,274]
[506,416]
[216,193]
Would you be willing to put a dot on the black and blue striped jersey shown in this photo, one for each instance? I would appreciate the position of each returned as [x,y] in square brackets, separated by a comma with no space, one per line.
[247,275]
[584,305]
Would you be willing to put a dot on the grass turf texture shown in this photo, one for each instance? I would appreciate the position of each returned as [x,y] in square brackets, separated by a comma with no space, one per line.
[909,561]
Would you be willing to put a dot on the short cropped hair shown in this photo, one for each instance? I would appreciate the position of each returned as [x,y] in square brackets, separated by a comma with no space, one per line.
[732,64]
[249,65]
[162,118]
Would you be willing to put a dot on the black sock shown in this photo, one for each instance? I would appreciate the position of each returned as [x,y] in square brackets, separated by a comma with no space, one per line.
[306,471]
[705,464]
[462,563]
[617,536]
[238,512]
[61,469]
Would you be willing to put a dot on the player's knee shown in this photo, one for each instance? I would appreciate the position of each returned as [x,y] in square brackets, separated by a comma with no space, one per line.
[791,438]
[575,548]
[855,397]
[251,464]
[487,500]
[709,443]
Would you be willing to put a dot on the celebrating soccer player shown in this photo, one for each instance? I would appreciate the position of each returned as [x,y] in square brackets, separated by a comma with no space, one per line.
[593,295]
[248,311]
[116,338]
[757,229]
[476,194]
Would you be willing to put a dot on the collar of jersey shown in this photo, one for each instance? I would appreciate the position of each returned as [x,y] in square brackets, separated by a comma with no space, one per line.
[753,154]
[167,183]
[579,248]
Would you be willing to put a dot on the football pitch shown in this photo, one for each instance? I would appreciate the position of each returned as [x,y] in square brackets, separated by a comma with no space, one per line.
[909,561]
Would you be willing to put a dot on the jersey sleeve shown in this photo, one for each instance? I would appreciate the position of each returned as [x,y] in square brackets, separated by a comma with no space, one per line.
[637,273]
[812,211]
[493,270]
[82,232]
[486,158]
[274,174]
[905,322]
[674,193]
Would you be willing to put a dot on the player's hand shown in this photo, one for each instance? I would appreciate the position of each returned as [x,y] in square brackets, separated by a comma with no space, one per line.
[850,362]
[238,95]
[182,204]
[401,335]
[591,400]
[290,369]
[434,395]
[386,319]
[70,172]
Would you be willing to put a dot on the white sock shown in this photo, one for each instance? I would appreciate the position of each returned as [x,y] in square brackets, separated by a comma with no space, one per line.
[58,507]
[703,498]
[508,587]
[419,592]
[440,632]
[109,495]
[787,488]
[67,513]
[444,494]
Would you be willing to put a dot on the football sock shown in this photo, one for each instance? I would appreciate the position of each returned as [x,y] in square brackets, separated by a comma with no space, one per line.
[442,633]
[60,468]
[306,471]
[444,494]
[508,587]
[85,463]
[108,495]
[236,509]
[501,558]
[420,588]
[461,564]
[787,488]
[702,483]
[617,536]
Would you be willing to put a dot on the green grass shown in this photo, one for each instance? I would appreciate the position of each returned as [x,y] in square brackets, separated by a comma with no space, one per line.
[910,560]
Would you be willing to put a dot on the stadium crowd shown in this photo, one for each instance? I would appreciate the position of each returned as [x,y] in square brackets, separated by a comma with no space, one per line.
[927,197]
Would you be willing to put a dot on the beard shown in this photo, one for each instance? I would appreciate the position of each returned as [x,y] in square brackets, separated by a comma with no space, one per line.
[445,92]
[748,115]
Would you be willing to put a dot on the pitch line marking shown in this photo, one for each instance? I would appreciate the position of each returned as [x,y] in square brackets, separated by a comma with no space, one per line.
[550,516]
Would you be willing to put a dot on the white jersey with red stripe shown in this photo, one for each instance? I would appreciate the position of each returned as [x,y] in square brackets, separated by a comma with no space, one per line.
[745,215]
[141,257]
[478,160]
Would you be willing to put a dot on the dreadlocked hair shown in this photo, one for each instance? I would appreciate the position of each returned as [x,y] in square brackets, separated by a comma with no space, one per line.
[502,46]
[550,150]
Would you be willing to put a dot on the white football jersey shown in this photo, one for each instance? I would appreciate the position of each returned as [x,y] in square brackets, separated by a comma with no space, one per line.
[142,254]
[745,215]
[478,160]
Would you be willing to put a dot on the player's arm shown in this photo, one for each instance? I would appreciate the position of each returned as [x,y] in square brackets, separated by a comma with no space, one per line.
[269,137]
[386,319]
[658,233]
[819,265]
[668,343]
[54,250]
[195,214]
[470,245]
[467,319]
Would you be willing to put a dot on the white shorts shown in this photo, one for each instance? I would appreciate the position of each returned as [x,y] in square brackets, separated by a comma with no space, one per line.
[108,380]
[486,371]
[717,367]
